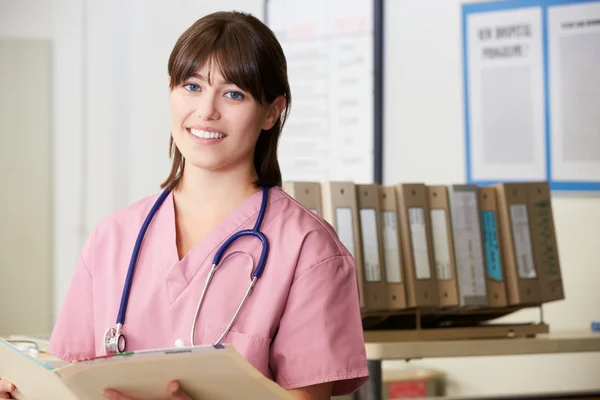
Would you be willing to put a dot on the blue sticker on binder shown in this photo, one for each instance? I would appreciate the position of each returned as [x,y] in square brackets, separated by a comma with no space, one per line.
[492,249]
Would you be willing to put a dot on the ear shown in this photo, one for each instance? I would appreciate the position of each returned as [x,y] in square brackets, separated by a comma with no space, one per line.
[273,112]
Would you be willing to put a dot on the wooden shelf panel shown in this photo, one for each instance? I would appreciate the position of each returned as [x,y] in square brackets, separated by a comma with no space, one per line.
[492,331]
[551,343]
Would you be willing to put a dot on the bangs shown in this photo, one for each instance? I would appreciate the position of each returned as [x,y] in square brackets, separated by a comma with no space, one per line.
[224,47]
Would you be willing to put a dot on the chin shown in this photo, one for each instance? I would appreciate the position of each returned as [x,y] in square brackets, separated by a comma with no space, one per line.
[207,165]
[216,161]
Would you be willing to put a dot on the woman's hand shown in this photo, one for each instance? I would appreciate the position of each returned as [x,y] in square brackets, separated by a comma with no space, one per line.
[6,389]
[174,390]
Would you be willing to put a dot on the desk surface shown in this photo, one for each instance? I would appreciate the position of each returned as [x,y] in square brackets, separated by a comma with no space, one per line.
[552,343]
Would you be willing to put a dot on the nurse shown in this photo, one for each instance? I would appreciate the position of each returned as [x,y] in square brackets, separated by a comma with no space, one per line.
[301,326]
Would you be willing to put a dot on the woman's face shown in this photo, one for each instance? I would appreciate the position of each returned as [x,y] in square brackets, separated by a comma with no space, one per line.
[215,126]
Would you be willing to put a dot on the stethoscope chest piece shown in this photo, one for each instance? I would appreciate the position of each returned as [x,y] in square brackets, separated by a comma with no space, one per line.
[114,341]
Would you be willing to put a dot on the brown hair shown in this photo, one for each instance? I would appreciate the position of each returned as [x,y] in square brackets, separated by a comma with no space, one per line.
[248,55]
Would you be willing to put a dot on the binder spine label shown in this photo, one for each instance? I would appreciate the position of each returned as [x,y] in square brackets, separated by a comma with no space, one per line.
[345,228]
[492,248]
[418,233]
[368,226]
[522,239]
[543,217]
[391,250]
[469,248]
[439,230]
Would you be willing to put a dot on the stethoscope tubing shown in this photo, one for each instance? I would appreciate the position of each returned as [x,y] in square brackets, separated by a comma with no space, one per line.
[135,255]
[256,273]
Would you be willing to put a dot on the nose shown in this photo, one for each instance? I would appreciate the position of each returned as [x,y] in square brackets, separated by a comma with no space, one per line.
[207,107]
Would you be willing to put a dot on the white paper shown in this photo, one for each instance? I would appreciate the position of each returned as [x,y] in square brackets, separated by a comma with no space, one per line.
[391,250]
[468,245]
[574,79]
[522,240]
[368,228]
[329,50]
[345,228]
[439,232]
[418,234]
[506,95]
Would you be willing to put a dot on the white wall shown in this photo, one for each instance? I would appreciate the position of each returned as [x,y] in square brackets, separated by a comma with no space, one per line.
[111,99]
[424,117]
[61,21]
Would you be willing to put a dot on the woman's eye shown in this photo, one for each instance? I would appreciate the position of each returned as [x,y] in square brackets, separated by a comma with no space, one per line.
[192,87]
[235,95]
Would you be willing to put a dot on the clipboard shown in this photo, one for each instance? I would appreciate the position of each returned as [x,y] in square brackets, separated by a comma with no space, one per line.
[204,372]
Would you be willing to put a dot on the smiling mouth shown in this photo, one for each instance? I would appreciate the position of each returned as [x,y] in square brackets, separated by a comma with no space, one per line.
[205,134]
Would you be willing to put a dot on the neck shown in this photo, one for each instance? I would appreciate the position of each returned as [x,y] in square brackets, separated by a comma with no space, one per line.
[213,193]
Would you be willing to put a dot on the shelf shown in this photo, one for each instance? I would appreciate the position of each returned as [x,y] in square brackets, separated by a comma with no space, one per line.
[488,331]
[551,343]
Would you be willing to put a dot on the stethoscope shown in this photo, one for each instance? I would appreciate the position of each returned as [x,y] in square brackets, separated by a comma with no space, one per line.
[114,338]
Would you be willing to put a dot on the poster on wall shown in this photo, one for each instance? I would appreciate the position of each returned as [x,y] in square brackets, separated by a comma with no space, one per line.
[574,82]
[334,67]
[531,92]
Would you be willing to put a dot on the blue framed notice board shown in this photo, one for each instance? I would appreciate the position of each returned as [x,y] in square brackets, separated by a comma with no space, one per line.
[531,71]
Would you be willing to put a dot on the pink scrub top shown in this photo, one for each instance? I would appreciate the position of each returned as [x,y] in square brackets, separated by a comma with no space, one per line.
[301,325]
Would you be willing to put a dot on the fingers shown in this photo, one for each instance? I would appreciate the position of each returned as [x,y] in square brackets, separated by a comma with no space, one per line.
[6,388]
[114,395]
[174,390]
[176,393]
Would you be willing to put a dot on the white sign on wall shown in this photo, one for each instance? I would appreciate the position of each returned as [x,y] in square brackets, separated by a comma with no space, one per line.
[332,131]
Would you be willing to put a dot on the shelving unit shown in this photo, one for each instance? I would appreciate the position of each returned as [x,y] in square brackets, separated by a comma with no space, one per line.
[546,343]
[448,324]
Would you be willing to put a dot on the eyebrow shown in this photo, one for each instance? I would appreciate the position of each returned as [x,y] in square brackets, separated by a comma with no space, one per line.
[203,78]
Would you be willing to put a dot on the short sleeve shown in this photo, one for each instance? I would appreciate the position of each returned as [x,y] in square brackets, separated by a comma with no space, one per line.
[320,337]
[73,335]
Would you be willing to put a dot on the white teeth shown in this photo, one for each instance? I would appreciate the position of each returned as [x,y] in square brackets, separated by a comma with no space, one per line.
[207,135]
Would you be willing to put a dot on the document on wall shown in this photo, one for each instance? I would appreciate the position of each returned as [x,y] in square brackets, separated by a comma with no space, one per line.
[329,50]
[505,95]
[574,80]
